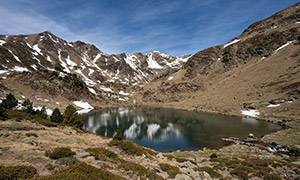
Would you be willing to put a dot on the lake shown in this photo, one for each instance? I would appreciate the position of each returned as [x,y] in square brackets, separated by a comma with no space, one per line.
[171,129]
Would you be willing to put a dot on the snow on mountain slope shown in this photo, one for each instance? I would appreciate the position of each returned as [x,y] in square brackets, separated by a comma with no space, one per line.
[45,51]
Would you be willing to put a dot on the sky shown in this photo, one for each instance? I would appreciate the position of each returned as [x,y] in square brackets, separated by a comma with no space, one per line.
[174,27]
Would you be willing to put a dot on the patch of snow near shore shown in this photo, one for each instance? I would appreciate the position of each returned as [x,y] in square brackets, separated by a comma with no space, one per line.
[84,105]
[230,43]
[273,105]
[83,111]
[252,113]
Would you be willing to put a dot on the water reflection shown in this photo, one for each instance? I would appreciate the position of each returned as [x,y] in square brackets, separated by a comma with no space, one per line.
[166,129]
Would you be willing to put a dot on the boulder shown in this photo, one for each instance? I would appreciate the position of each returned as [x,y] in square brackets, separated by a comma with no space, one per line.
[82,155]
[205,176]
[160,156]
[182,177]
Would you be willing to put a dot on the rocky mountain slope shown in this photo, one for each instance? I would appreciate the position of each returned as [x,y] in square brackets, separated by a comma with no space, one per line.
[38,62]
[260,66]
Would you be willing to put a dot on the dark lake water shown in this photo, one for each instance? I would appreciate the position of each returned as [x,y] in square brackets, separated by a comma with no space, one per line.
[171,129]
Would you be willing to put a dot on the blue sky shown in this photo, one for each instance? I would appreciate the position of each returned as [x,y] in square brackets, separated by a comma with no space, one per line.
[175,27]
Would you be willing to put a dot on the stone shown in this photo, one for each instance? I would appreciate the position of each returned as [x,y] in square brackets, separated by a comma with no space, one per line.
[251,135]
[205,176]
[143,156]
[160,156]
[186,164]
[82,155]
[182,177]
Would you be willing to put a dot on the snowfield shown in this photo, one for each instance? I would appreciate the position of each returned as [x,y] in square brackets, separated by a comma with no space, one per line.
[252,113]
[84,105]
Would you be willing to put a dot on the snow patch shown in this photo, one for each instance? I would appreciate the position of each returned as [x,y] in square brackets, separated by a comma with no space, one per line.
[16,57]
[83,111]
[48,59]
[34,66]
[19,69]
[91,71]
[84,105]
[283,46]
[85,79]
[92,90]
[232,42]
[97,57]
[2,42]
[106,89]
[252,113]
[153,64]
[70,62]
[129,60]
[273,105]
[298,22]
[121,99]
[37,49]
[170,78]
[123,93]
[48,111]
[3,71]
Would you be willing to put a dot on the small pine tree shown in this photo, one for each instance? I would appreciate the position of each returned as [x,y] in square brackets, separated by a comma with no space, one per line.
[9,102]
[27,104]
[2,113]
[43,112]
[56,116]
[118,135]
[71,118]
[69,111]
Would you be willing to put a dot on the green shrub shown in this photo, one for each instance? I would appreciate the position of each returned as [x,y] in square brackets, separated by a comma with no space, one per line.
[139,170]
[171,170]
[56,116]
[128,146]
[272,177]
[17,172]
[82,171]
[118,135]
[59,153]
[9,102]
[213,155]
[180,160]
[210,171]
[103,154]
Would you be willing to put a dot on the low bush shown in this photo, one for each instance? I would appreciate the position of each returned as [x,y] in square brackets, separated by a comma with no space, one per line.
[139,170]
[272,177]
[180,160]
[59,153]
[103,154]
[213,155]
[82,171]
[128,146]
[171,170]
[210,171]
[118,135]
[17,172]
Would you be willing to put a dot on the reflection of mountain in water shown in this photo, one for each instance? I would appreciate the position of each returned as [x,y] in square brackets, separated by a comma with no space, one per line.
[171,128]
[133,123]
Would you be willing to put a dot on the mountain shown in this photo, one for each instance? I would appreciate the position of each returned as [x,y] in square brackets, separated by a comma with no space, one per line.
[258,68]
[102,74]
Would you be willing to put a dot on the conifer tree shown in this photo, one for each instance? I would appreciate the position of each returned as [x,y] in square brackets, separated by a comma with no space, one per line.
[56,116]
[9,102]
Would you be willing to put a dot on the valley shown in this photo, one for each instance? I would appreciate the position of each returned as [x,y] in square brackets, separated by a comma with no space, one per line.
[255,75]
